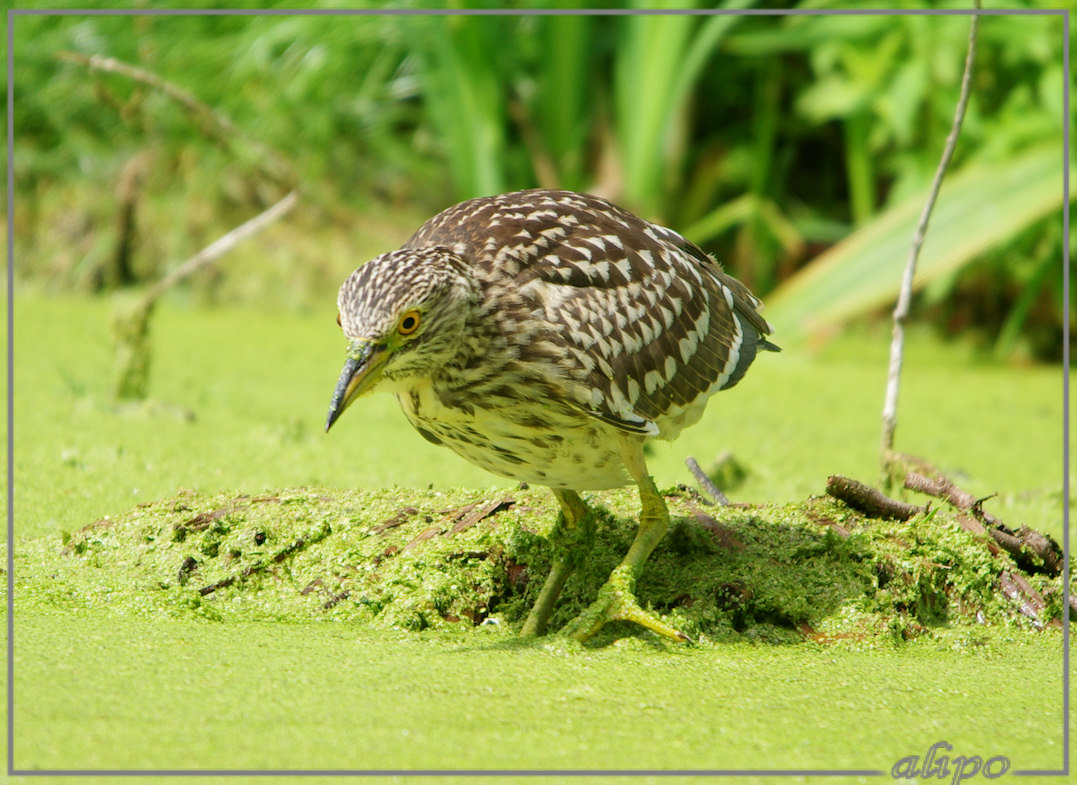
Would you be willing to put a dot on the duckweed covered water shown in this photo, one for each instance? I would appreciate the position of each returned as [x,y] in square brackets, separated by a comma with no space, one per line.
[403,559]
[901,635]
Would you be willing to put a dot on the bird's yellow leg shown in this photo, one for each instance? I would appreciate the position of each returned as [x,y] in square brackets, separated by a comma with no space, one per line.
[573,512]
[616,599]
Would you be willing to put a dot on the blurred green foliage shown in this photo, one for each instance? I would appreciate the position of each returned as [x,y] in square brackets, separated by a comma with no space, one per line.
[764,138]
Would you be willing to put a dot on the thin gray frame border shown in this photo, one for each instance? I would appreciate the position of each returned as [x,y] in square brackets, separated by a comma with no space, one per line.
[12,13]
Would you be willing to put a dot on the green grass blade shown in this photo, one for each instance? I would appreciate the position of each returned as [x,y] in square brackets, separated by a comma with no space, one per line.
[721,218]
[712,32]
[977,208]
[565,82]
[659,61]
[462,96]
[648,61]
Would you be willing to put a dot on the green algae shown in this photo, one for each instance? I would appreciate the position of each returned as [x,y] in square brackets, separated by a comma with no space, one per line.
[113,670]
[114,654]
[131,335]
[816,571]
[150,693]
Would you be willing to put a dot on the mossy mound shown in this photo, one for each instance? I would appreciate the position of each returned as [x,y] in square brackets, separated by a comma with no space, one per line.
[410,559]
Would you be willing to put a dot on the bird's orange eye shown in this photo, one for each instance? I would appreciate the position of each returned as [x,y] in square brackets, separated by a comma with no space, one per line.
[341,326]
[409,323]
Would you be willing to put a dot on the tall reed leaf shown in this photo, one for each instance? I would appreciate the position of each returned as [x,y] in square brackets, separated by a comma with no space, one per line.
[646,69]
[565,85]
[658,63]
[981,206]
[456,65]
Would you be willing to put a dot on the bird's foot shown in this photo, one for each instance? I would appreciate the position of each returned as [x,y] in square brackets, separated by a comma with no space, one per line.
[543,607]
[617,602]
[572,533]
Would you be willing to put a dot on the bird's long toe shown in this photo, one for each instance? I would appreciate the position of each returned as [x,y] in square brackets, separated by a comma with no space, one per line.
[617,602]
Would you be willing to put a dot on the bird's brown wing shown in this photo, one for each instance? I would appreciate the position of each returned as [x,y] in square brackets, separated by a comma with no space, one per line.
[641,322]
[652,321]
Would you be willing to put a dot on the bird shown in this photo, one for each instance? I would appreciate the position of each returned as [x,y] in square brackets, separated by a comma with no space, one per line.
[546,336]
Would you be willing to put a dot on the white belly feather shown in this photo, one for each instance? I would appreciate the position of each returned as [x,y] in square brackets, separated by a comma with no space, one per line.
[572,450]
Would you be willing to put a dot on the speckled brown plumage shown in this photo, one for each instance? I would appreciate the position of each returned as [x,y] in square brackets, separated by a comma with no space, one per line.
[534,332]
[579,315]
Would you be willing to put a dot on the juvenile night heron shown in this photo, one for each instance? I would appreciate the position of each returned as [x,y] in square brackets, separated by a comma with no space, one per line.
[545,336]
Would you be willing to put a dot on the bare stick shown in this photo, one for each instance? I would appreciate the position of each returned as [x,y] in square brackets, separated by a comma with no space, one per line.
[131,321]
[901,311]
[223,128]
[706,483]
[1029,601]
[942,487]
[869,500]
[221,246]
[176,93]
[269,161]
[1032,550]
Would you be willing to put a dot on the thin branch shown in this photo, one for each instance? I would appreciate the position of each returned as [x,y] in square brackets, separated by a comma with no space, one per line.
[1030,602]
[901,311]
[706,482]
[942,487]
[175,92]
[213,122]
[869,500]
[1032,550]
[221,246]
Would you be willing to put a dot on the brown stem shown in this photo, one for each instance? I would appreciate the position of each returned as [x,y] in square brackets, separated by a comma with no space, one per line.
[705,482]
[901,310]
[868,500]
[213,123]
[1032,550]
[221,246]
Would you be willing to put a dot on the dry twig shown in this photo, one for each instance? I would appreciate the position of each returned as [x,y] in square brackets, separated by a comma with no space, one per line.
[705,482]
[131,322]
[1033,551]
[1029,602]
[869,500]
[901,310]
[221,246]
[212,123]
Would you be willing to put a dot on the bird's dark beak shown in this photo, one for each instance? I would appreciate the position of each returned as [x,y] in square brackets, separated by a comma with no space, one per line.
[361,372]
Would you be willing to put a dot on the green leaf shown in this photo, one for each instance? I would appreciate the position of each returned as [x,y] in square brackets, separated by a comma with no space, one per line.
[979,207]
[659,61]
[563,106]
[457,71]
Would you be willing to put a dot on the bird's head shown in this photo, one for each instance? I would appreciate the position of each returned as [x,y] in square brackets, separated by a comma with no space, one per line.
[403,314]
